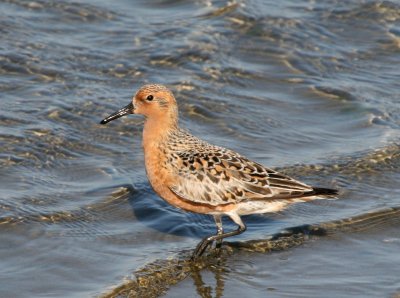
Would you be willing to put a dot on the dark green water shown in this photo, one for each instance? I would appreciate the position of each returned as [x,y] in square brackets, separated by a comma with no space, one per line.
[309,87]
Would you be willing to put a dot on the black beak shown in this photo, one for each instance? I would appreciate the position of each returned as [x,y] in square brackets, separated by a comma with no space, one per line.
[122,112]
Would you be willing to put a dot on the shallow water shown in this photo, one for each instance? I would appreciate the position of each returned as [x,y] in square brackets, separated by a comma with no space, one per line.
[309,87]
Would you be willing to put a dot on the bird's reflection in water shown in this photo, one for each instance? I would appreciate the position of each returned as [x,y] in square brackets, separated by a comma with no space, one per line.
[217,269]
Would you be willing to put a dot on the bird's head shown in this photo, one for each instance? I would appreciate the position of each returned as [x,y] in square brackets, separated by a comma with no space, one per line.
[153,101]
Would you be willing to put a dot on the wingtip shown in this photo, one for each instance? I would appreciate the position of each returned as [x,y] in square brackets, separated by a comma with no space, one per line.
[320,191]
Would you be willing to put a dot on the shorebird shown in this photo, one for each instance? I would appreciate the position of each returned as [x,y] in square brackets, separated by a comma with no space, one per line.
[196,176]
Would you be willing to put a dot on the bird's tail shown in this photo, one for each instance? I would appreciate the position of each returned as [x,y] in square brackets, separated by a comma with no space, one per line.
[320,191]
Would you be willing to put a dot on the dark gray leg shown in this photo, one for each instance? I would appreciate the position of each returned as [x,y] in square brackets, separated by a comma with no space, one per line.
[201,247]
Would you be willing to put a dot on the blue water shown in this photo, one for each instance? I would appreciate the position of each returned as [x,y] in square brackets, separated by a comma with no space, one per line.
[309,87]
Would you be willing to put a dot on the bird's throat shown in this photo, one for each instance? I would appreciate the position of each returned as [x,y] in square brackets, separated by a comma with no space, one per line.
[156,131]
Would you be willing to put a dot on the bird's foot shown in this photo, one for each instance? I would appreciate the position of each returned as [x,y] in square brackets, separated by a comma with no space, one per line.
[201,247]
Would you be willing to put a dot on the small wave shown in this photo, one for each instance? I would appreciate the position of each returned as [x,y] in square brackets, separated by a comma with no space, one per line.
[381,159]
[67,10]
[376,11]
[84,221]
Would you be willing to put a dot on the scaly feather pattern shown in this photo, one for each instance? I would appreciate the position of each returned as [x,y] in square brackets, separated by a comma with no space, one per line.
[214,175]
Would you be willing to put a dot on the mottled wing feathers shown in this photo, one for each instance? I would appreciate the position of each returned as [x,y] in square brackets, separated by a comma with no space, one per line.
[215,176]
[202,179]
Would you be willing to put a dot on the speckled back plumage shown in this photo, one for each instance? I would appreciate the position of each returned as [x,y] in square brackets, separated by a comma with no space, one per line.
[214,175]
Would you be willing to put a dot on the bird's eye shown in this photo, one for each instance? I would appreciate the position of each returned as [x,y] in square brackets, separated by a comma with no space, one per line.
[150,97]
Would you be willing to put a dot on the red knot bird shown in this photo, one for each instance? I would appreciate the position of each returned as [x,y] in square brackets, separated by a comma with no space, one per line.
[195,176]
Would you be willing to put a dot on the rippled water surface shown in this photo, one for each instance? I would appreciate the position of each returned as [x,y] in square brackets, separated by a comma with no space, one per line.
[309,87]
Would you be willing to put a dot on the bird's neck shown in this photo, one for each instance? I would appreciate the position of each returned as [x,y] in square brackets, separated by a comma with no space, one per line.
[157,129]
